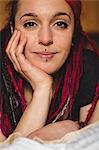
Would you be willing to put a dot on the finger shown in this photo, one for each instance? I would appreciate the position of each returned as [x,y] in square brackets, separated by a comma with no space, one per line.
[8,49]
[28,71]
[13,50]
[11,41]
[20,52]
[21,45]
[25,66]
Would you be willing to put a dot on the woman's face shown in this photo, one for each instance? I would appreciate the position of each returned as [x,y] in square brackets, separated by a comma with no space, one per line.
[48,27]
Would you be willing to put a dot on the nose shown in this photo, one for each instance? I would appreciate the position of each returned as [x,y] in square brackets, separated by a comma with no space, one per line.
[45,36]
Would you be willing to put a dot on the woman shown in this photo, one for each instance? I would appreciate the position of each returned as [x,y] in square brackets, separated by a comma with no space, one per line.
[47,70]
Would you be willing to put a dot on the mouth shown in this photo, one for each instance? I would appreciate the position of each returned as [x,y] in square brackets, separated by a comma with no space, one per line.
[45,55]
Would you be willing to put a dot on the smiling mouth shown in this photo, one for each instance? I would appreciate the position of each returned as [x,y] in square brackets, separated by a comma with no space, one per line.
[45,55]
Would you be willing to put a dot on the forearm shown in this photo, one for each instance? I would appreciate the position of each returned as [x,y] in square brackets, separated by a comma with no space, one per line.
[55,131]
[36,112]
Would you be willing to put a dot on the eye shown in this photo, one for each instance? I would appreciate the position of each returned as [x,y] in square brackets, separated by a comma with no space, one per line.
[61,24]
[30,24]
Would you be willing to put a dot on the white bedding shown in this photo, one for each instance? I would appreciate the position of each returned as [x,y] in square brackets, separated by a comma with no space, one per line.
[84,139]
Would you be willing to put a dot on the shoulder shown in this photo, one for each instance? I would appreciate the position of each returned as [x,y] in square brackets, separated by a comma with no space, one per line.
[91,62]
[90,75]
[88,82]
[89,79]
[90,67]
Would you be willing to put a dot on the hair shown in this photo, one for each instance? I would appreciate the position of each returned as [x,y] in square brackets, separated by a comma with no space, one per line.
[12,7]
[65,90]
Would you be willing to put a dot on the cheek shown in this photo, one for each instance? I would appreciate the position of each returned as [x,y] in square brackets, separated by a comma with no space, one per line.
[65,45]
[31,42]
[63,56]
[66,39]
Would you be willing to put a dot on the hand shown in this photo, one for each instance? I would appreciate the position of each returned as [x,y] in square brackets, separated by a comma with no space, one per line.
[54,131]
[15,52]
[40,81]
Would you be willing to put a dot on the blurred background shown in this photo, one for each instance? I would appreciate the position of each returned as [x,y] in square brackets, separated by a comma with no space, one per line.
[89,17]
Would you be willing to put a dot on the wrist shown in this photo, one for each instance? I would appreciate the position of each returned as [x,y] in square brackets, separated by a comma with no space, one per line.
[44,91]
[44,86]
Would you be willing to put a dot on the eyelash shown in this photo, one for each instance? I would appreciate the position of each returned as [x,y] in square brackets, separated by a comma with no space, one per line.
[30,24]
[61,24]
[58,24]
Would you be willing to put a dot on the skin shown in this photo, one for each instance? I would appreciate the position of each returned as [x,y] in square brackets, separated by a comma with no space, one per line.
[39,47]
[46,32]
[54,131]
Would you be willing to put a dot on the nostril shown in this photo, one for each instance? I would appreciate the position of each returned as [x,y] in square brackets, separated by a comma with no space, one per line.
[46,43]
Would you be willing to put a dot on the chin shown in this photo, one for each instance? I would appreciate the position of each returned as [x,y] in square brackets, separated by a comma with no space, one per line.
[48,70]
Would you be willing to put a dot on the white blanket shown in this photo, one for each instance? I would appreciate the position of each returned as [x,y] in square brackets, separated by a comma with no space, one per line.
[84,139]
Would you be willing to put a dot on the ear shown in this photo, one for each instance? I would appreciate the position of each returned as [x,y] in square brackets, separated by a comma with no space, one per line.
[11,27]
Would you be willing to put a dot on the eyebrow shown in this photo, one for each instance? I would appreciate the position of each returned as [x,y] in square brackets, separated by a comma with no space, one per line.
[61,14]
[54,16]
[29,14]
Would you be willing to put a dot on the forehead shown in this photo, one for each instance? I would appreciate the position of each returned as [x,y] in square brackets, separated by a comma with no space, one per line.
[43,6]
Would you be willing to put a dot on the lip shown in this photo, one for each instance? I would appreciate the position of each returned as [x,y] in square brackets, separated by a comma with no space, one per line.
[46,55]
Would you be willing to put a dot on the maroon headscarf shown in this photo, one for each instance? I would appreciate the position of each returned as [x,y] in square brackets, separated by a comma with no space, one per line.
[76,7]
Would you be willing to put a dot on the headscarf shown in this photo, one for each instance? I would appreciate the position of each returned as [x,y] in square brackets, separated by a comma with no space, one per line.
[76,7]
